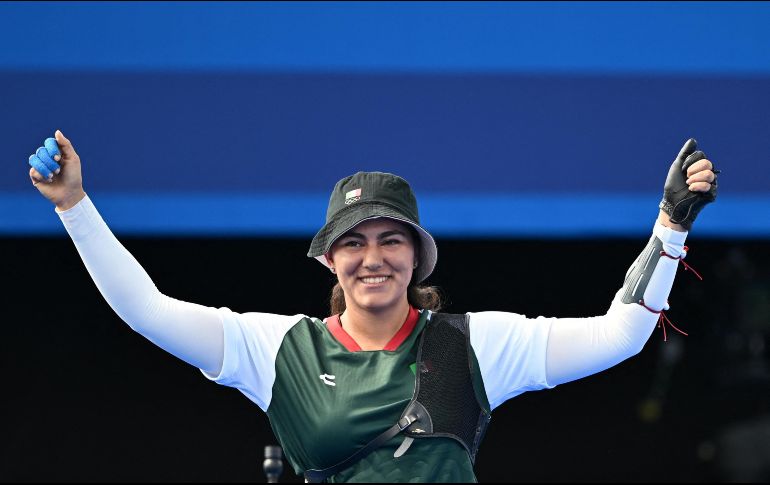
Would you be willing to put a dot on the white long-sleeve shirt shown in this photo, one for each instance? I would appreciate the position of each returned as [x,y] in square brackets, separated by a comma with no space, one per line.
[543,352]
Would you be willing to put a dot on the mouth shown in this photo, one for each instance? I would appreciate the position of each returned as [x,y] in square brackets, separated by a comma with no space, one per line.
[373,280]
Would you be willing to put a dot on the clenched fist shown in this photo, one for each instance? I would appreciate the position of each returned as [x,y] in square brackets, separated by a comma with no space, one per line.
[56,172]
[690,185]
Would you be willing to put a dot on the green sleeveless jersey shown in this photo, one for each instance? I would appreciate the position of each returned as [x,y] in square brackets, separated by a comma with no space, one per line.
[325,398]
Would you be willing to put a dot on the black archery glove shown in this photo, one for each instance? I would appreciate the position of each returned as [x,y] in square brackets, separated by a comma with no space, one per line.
[681,204]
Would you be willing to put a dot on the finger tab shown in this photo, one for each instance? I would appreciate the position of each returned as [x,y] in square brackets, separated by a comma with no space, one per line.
[52,147]
[42,154]
[39,166]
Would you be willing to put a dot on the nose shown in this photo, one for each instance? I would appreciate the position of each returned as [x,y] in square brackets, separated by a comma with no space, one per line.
[373,257]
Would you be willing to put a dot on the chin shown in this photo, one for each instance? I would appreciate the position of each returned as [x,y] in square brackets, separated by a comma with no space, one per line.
[376,303]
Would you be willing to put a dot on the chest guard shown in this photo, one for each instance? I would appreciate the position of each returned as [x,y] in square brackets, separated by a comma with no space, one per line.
[444,403]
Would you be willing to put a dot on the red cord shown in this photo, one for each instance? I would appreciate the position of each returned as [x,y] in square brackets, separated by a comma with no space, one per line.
[681,260]
[662,319]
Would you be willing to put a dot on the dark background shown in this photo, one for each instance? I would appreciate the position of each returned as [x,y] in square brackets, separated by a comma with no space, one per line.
[87,399]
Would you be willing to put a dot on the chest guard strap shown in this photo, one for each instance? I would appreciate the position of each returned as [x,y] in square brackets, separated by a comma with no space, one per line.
[444,403]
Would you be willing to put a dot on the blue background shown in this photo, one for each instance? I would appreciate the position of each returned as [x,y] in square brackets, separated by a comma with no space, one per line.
[544,119]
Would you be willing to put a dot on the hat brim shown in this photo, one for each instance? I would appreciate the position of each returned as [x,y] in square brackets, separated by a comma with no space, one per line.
[352,216]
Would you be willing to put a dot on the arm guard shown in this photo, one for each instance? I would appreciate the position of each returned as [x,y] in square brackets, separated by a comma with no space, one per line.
[639,274]
[650,277]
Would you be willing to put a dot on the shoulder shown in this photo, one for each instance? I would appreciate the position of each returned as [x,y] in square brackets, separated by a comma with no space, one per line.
[487,320]
[269,323]
[495,318]
[498,328]
[259,318]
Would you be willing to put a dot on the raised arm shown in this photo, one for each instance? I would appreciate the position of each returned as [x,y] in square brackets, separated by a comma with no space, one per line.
[580,347]
[194,333]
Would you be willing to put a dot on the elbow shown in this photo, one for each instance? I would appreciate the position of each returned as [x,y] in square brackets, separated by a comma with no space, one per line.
[636,349]
[135,322]
[631,328]
[142,317]
[633,346]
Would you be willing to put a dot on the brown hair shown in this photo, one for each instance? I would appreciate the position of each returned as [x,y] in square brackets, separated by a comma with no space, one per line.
[421,297]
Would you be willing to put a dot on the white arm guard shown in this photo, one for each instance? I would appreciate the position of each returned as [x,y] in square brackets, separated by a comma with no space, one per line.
[578,347]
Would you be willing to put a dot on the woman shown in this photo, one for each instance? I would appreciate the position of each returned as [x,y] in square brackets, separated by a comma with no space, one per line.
[330,387]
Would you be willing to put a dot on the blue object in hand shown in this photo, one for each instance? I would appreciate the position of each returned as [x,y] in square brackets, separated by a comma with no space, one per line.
[52,147]
[43,161]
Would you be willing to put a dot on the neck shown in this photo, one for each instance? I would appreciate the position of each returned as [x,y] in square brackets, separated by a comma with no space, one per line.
[372,330]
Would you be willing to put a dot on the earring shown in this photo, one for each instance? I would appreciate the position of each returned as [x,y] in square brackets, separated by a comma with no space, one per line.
[333,270]
[415,264]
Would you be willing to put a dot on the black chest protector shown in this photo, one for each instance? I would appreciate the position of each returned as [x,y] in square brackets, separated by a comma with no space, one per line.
[444,403]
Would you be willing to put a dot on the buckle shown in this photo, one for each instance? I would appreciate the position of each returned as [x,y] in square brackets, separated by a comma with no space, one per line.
[405,422]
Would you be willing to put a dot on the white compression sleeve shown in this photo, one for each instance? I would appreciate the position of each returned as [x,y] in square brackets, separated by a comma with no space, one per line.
[579,347]
[194,333]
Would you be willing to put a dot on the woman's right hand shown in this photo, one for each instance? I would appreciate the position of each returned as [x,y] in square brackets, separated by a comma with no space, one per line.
[55,172]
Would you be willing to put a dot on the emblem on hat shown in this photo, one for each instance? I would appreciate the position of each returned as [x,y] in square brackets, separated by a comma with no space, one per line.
[352,196]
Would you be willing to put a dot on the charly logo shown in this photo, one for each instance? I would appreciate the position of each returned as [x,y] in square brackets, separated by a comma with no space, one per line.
[328,379]
[352,196]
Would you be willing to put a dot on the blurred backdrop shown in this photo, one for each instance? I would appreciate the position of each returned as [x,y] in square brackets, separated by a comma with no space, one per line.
[537,136]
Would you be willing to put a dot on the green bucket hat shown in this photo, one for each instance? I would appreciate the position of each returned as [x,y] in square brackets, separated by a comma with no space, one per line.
[369,195]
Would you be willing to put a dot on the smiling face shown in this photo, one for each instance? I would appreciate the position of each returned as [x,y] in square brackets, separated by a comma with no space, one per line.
[374,262]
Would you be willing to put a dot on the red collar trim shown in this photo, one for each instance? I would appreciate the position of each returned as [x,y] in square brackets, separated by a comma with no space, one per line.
[334,326]
[405,330]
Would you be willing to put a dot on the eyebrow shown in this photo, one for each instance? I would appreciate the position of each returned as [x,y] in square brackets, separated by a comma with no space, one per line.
[383,235]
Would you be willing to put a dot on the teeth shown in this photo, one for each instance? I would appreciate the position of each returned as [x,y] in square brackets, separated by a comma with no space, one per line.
[378,279]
